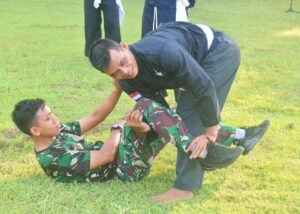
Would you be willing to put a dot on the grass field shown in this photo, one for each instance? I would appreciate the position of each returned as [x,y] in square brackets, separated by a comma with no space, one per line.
[41,55]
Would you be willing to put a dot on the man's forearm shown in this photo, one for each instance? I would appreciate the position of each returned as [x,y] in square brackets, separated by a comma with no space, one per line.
[101,112]
[112,143]
[108,104]
[107,152]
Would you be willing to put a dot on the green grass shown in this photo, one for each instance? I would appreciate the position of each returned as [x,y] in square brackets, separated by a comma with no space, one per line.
[41,55]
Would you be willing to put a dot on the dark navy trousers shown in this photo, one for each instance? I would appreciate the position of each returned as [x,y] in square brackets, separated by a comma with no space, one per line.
[93,20]
[221,64]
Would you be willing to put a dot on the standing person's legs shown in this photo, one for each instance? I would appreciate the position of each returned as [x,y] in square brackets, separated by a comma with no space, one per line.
[153,16]
[221,67]
[137,150]
[147,19]
[111,20]
[189,172]
[92,24]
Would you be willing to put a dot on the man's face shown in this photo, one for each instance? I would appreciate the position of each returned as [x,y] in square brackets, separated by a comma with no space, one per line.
[122,64]
[46,123]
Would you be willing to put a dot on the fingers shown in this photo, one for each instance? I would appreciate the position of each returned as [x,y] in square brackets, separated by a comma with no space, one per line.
[197,146]
[134,116]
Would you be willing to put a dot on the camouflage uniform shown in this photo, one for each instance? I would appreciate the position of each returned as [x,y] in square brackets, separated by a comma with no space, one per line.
[137,151]
[67,159]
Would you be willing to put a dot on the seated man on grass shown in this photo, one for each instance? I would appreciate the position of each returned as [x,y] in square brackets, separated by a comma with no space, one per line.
[128,152]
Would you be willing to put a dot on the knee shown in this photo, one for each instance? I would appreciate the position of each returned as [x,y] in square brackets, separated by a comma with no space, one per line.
[143,104]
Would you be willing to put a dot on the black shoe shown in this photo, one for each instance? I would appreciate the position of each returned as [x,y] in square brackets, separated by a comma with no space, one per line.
[253,135]
[219,156]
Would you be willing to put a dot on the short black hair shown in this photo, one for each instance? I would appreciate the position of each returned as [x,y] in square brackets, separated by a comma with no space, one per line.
[25,112]
[99,53]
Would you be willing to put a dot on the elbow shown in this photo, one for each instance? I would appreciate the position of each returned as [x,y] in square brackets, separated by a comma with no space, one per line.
[113,155]
[110,157]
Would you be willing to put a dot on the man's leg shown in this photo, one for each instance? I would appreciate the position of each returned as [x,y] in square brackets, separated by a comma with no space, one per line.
[92,24]
[221,64]
[147,20]
[111,20]
[189,173]
[185,168]
[138,150]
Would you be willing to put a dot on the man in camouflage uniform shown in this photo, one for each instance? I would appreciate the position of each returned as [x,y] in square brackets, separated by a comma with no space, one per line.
[128,153]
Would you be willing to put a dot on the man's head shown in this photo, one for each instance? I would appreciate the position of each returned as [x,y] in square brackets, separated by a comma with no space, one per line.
[116,60]
[34,118]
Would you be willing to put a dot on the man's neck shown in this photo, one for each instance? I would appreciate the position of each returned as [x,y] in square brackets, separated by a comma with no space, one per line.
[41,143]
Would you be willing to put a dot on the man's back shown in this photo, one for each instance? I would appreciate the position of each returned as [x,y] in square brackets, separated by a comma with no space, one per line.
[169,58]
[189,36]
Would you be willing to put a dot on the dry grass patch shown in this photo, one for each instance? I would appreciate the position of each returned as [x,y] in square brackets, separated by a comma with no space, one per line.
[294,32]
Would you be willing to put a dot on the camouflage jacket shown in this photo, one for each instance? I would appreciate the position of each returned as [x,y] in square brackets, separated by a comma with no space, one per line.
[66,161]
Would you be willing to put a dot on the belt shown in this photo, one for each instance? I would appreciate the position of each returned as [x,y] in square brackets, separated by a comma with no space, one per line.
[208,33]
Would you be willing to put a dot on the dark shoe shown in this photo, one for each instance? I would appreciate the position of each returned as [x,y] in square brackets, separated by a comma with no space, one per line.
[220,156]
[253,135]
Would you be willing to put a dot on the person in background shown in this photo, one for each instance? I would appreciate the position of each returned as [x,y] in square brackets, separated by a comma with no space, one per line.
[156,12]
[96,12]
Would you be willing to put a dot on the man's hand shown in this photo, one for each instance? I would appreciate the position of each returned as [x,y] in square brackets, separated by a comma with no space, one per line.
[212,132]
[197,146]
[134,119]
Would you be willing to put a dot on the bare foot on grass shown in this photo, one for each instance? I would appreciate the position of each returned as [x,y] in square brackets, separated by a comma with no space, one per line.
[172,195]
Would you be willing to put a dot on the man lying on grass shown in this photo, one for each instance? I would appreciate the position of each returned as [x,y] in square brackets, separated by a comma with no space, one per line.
[128,152]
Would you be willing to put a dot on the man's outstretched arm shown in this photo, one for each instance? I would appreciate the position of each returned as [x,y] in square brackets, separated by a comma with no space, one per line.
[108,151]
[102,111]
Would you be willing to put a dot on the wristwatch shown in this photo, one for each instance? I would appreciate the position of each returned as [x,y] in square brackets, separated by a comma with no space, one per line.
[116,126]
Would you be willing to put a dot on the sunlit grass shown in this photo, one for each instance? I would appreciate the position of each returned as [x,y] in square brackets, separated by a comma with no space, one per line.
[42,56]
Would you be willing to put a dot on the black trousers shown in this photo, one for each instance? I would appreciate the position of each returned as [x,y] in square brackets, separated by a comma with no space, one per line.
[93,20]
[150,19]
[221,64]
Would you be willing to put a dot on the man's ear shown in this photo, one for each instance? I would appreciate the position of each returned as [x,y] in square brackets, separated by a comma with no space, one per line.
[35,131]
[123,45]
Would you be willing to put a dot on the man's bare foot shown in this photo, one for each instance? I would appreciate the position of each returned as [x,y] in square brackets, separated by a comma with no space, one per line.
[173,195]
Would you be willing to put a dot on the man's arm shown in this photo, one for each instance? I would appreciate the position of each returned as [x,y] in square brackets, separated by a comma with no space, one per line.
[193,77]
[108,151]
[101,112]
[106,154]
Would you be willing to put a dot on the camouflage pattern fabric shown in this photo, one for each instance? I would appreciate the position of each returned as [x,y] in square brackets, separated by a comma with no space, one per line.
[67,159]
[226,135]
[137,152]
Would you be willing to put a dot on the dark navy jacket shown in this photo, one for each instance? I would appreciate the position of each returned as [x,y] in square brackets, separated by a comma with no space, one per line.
[169,58]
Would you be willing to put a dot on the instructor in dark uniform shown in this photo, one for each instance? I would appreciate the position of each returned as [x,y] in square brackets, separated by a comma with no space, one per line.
[199,60]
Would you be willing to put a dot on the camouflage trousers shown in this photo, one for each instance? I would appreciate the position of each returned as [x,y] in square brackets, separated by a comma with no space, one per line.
[138,150]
